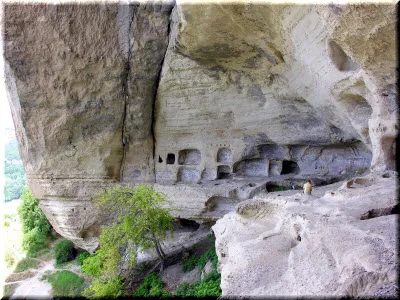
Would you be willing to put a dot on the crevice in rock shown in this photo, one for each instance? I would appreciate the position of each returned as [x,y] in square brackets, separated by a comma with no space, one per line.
[155,91]
[125,88]
[379,212]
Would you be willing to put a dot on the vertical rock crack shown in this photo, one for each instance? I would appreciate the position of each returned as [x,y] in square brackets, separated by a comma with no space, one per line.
[155,91]
[125,88]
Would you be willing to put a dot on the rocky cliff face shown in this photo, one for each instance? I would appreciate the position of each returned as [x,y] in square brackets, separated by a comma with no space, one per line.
[209,103]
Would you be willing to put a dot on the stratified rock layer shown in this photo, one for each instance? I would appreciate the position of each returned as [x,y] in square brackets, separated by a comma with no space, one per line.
[209,102]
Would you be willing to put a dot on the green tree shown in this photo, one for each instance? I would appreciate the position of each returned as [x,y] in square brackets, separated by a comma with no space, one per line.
[35,226]
[141,223]
[31,215]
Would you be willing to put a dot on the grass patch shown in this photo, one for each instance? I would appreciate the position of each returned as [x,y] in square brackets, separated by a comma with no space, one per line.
[25,264]
[65,283]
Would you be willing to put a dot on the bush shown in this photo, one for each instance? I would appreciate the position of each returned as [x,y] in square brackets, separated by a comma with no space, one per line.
[63,251]
[185,289]
[25,264]
[209,286]
[201,261]
[151,287]
[110,288]
[190,264]
[33,241]
[65,283]
[81,257]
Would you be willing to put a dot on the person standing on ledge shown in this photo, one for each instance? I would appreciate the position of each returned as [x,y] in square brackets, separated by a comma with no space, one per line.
[307,187]
[292,185]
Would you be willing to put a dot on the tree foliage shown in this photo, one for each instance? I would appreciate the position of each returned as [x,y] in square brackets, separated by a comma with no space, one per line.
[141,222]
[35,226]
[100,288]
[31,215]
[81,257]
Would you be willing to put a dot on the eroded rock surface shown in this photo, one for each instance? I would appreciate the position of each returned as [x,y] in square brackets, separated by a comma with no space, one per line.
[292,244]
[207,102]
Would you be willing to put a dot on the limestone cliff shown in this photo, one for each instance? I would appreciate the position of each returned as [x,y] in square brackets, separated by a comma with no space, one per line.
[210,103]
[338,241]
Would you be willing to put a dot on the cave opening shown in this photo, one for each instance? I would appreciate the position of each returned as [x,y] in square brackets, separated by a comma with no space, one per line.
[290,167]
[186,225]
[160,159]
[170,159]
[223,172]
[275,187]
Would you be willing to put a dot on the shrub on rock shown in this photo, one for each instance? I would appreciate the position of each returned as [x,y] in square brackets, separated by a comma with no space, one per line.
[63,251]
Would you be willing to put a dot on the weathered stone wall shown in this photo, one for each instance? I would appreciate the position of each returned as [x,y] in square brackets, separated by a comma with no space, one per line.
[82,81]
[203,100]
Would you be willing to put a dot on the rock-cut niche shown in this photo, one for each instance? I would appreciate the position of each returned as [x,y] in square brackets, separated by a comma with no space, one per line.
[170,159]
[223,172]
[189,157]
[290,167]
[224,155]
[188,175]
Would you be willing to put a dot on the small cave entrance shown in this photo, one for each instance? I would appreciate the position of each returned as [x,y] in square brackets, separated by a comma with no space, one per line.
[170,159]
[275,187]
[290,167]
[224,155]
[182,224]
[189,157]
[160,159]
[223,172]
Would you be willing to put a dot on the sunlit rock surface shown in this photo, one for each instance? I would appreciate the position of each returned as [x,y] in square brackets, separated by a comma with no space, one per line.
[338,241]
[209,103]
